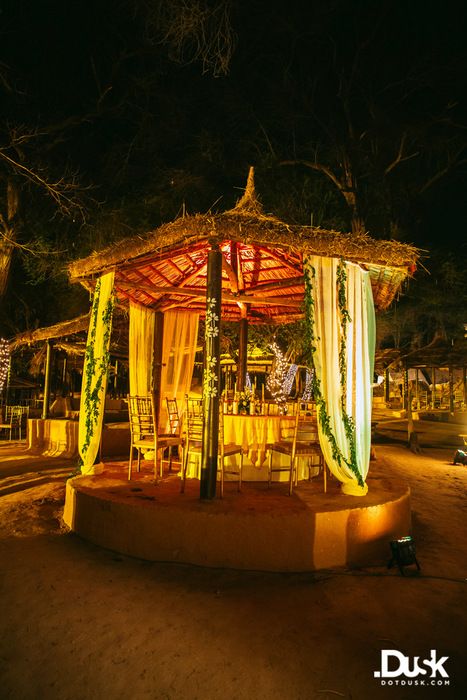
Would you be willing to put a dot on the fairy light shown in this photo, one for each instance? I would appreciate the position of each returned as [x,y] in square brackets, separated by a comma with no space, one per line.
[289,379]
[4,362]
[280,379]
[307,392]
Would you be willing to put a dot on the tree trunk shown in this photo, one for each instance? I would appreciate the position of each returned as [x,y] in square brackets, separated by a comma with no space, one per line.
[7,234]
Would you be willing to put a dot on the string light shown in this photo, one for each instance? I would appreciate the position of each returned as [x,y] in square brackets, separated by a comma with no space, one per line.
[4,362]
[281,377]
[289,379]
[308,390]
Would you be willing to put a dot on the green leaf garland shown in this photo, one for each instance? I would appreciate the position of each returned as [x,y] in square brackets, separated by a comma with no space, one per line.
[323,415]
[91,395]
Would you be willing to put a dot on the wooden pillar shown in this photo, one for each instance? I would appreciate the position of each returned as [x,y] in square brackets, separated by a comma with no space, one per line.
[464,386]
[387,387]
[48,364]
[116,379]
[406,397]
[451,390]
[64,373]
[242,354]
[211,376]
[433,390]
[157,362]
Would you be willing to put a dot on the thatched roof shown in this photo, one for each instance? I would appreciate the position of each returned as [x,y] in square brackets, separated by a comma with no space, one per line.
[166,268]
[58,330]
[439,354]
[71,336]
[442,354]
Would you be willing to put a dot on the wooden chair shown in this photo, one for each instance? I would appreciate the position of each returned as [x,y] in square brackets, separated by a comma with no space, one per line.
[15,417]
[193,436]
[194,445]
[299,439]
[174,417]
[144,437]
[174,429]
[228,450]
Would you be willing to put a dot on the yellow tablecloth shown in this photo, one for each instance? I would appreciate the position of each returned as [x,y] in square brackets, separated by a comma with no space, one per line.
[253,433]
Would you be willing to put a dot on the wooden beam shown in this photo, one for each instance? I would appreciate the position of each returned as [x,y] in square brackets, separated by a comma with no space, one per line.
[231,274]
[197,293]
[278,284]
[282,259]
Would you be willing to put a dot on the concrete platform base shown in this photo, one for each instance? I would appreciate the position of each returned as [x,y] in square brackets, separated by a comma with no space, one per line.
[58,437]
[258,529]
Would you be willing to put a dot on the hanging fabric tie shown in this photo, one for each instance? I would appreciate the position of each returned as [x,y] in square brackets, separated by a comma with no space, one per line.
[340,323]
[95,374]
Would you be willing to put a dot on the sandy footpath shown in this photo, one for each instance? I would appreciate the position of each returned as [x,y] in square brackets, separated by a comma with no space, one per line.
[81,623]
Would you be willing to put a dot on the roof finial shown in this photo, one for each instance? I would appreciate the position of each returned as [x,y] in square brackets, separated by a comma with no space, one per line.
[248,201]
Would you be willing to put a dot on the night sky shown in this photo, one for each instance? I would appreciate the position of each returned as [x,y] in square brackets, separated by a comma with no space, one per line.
[151,130]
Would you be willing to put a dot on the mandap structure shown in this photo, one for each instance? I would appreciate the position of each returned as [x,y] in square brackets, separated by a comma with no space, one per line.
[246,266]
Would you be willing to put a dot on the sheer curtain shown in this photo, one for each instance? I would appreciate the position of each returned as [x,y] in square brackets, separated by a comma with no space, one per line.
[140,349]
[95,373]
[178,359]
[342,321]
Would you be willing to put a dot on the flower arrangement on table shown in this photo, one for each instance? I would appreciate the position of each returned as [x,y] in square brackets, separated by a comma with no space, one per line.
[244,399]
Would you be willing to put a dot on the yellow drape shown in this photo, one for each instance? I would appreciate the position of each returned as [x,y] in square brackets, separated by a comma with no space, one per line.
[178,358]
[140,350]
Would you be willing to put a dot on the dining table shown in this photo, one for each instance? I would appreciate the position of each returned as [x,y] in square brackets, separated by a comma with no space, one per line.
[254,433]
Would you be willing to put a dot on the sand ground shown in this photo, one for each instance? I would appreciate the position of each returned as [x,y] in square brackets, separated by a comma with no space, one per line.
[81,623]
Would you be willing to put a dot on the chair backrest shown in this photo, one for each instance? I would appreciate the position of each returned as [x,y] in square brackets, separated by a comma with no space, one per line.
[174,418]
[307,424]
[140,414]
[272,408]
[287,428]
[221,433]
[194,419]
[15,415]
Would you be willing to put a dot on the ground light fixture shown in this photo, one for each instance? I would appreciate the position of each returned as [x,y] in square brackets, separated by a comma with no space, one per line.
[403,553]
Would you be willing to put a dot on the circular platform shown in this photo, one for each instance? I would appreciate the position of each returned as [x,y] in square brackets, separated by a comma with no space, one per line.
[258,529]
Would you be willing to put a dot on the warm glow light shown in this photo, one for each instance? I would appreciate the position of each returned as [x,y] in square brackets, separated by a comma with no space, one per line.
[4,362]
[307,392]
[280,379]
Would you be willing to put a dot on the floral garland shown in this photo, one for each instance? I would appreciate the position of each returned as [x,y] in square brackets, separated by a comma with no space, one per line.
[324,418]
[210,377]
[91,395]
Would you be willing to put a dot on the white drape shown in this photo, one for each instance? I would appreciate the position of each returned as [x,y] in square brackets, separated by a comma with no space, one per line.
[178,358]
[95,373]
[347,457]
[140,349]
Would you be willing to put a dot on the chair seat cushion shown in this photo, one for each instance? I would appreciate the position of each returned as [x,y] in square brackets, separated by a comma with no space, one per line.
[284,448]
[307,448]
[194,445]
[232,449]
[170,439]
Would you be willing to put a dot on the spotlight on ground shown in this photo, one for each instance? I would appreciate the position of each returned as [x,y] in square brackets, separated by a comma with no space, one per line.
[403,553]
